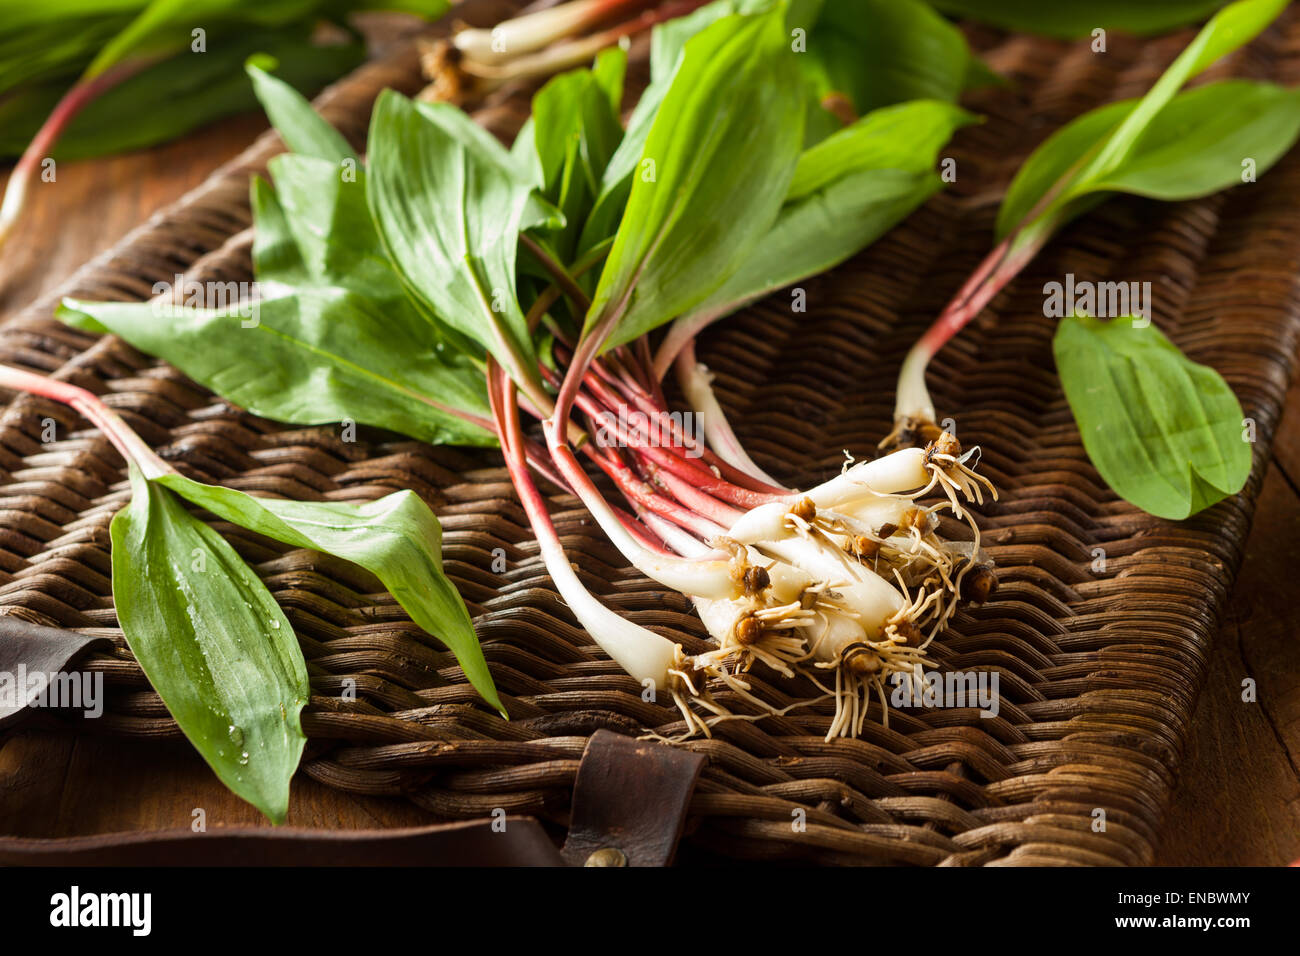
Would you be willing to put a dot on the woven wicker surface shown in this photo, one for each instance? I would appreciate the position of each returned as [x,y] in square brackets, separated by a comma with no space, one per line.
[1099,667]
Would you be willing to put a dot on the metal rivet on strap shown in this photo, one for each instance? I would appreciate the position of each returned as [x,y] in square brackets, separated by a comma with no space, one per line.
[607,856]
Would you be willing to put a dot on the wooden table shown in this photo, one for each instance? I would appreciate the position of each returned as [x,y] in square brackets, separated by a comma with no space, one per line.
[1238,802]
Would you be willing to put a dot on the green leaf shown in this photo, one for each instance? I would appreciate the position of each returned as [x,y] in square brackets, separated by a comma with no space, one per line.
[1159,136]
[55,42]
[575,130]
[1078,18]
[396,538]
[880,52]
[336,336]
[723,147]
[1164,432]
[166,27]
[301,127]
[1195,146]
[213,643]
[847,191]
[908,137]
[667,41]
[449,203]
[174,96]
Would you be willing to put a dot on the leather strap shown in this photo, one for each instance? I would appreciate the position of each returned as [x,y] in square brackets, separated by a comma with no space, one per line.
[29,650]
[629,802]
[510,841]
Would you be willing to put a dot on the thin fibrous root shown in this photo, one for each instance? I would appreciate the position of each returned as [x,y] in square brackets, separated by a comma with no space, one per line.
[688,684]
[763,636]
[955,476]
[863,667]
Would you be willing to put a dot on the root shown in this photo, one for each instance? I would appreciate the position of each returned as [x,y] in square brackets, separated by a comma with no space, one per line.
[862,668]
[958,479]
[688,686]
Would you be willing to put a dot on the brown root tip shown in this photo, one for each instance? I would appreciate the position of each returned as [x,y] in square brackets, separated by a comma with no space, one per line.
[979,584]
[440,62]
[861,659]
[755,581]
[913,518]
[865,547]
[944,444]
[910,633]
[804,509]
[748,630]
[911,433]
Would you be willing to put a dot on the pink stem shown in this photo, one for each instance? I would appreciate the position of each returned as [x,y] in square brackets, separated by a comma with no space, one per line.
[998,268]
[91,407]
[73,102]
[692,497]
[642,495]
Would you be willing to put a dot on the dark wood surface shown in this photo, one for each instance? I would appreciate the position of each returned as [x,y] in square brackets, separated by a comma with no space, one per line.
[1238,797]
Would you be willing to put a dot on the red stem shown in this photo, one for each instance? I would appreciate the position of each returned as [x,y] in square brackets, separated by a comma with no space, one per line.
[82,94]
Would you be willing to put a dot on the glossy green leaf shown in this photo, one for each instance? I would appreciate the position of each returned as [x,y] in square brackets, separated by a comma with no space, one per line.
[575,130]
[173,97]
[667,41]
[1197,144]
[1164,432]
[212,642]
[714,172]
[303,130]
[1160,135]
[847,191]
[880,52]
[396,538]
[55,44]
[449,203]
[164,28]
[334,337]
[1078,18]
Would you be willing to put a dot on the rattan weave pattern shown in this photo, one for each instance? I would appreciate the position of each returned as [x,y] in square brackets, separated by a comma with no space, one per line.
[1099,666]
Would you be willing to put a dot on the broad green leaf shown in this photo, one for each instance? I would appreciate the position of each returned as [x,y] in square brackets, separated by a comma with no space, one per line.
[1078,18]
[1092,154]
[907,136]
[616,183]
[575,130]
[166,27]
[301,127]
[1062,153]
[880,52]
[720,156]
[1164,432]
[314,357]
[449,203]
[1232,27]
[847,191]
[334,337]
[53,50]
[163,28]
[1197,144]
[1193,147]
[212,642]
[667,40]
[610,70]
[173,96]
[396,538]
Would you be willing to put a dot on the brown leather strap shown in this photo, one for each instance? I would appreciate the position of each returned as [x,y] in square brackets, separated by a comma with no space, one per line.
[510,841]
[28,651]
[629,802]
